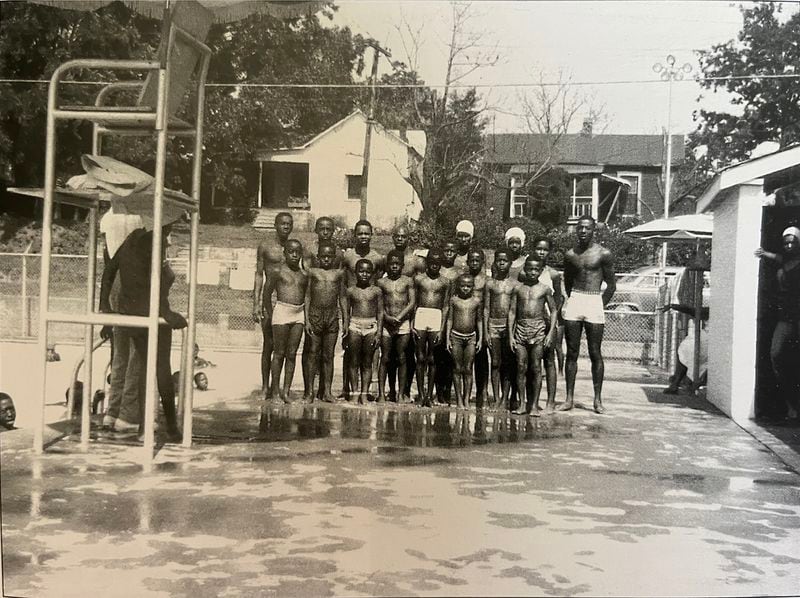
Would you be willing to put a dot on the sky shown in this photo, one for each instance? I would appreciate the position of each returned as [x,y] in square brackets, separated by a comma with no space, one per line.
[600,42]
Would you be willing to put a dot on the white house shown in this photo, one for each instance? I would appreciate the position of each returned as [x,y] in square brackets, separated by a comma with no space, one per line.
[322,177]
[752,203]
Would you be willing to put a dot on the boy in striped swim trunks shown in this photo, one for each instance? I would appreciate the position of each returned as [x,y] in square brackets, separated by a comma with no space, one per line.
[464,332]
[497,301]
[528,332]
[364,326]
[287,316]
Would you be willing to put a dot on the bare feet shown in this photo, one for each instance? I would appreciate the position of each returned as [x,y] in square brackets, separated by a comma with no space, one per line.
[381,398]
[598,406]
[567,406]
[550,407]
[328,399]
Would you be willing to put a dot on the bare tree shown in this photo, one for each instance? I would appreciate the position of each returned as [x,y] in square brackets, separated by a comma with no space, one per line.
[452,120]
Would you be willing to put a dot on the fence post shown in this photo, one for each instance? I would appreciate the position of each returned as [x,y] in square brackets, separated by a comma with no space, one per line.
[25,307]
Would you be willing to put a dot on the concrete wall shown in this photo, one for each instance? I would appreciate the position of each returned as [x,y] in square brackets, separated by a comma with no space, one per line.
[734,301]
[340,153]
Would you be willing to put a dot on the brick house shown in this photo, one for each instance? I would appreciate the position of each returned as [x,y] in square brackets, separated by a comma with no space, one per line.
[611,176]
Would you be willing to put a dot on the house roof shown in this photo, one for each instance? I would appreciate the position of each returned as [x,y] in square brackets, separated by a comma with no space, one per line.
[263,154]
[617,150]
[777,169]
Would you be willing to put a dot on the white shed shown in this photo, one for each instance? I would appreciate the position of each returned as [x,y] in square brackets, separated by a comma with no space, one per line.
[746,216]
[322,177]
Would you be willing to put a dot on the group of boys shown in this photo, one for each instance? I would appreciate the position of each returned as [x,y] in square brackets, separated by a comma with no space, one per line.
[442,312]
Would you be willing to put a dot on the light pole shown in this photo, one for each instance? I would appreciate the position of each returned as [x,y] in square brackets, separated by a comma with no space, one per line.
[670,73]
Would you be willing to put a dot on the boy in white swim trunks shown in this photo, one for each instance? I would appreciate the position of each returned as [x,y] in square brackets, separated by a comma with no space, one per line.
[497,303]
[586,267]
[399,297]
[528,332]
[289,283]
[433,294]
[364,327]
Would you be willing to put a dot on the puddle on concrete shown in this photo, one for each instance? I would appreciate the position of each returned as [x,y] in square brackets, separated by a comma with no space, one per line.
[439,428]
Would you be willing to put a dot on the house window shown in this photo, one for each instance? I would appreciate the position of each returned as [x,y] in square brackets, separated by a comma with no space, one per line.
[354,186]
[582,189]
[632,203]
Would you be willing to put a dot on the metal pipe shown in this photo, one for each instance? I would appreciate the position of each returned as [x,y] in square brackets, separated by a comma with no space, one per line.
[91,283]
[197,166]
[47,241]
[102,319]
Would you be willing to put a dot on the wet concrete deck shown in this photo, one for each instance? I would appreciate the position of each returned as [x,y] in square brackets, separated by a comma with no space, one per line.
[661,496]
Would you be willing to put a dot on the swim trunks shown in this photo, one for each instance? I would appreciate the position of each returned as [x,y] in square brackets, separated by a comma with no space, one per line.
[498,328]
[403,328]
[428,319]
[584,307]
[529,331]
[460,338]
[287,313]
[323,321]
[363,326]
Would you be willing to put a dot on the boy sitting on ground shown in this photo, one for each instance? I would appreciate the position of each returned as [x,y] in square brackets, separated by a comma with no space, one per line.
[527,332]
[325,300]
[433,294]
[399,297]
[497,303]
[287,317]
[364,327]
[464,331]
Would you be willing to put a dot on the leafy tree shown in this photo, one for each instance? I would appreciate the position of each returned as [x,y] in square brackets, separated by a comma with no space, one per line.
[770,108]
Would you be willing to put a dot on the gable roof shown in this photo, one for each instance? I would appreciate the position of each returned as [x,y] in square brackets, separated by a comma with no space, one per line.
[617,150]
[356,114]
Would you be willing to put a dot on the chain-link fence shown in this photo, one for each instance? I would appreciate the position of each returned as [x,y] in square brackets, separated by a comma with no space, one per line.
[635,330]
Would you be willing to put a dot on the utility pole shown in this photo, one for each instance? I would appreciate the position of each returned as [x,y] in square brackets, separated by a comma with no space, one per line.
[370,122]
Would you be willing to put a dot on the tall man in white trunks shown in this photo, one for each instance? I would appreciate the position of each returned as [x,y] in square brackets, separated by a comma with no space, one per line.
[586,267]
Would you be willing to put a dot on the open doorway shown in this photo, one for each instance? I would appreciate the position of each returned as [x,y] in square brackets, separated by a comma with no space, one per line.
[284,185]
[768,403]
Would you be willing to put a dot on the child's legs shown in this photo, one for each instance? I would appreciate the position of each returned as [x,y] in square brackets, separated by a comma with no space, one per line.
[535,354]
[550,373]
[522,370]
[422,362]
[295,333]
[326,362]
[383,368]
[497,364]
[354,350]
[469,362]
[367,355]
[401,348]
[312,350]
[280,337]
[458,369]
[481,374]
[266,352]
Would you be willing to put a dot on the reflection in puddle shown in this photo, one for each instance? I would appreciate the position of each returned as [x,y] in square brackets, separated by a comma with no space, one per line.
[409,428]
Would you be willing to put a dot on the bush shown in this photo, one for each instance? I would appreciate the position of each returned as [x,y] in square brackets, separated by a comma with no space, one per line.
[16,233]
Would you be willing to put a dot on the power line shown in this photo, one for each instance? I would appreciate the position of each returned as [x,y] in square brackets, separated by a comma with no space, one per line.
[364,85]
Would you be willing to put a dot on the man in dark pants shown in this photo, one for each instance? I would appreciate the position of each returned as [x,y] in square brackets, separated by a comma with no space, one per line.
[132,262]
[269,256]
[586,267]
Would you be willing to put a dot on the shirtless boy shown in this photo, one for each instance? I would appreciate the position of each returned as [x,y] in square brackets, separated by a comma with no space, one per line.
[399,297]
[527,331]
[586,267]
[475,267]
[269,255]
[433,294]
[362,233]
[449,269]
[325,300]
[324,227]
[551,277]
[464,331]
[497,303]
[364,326]
[289,283]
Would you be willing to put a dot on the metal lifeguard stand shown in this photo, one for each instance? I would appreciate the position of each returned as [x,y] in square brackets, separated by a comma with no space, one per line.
[182,55]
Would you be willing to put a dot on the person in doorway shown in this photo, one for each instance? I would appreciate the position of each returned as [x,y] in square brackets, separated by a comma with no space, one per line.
[269,256]
[586,267]
[787,329]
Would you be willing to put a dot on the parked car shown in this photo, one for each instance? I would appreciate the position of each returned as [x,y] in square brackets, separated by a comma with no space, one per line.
[640,287]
